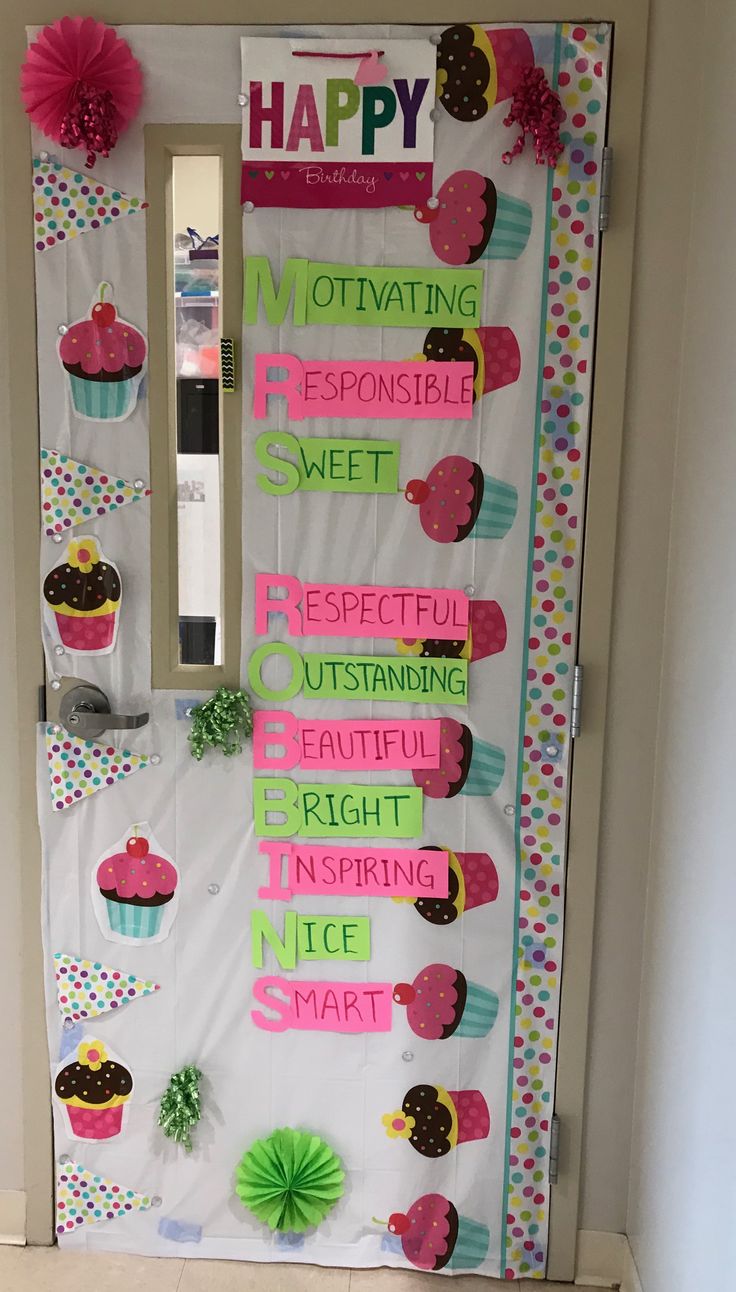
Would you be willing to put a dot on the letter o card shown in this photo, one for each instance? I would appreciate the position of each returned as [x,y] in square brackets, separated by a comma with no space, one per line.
[337,132]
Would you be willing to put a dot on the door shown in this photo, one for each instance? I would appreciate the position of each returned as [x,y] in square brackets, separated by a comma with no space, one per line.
[403,612]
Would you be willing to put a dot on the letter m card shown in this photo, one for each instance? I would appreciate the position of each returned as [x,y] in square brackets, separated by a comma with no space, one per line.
[326,132]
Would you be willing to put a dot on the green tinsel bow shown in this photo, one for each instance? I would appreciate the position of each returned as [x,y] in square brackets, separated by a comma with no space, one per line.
[222,722]
[180,1108]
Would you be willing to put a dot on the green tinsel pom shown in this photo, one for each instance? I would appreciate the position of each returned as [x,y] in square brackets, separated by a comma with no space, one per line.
[180,1108]
[222,722]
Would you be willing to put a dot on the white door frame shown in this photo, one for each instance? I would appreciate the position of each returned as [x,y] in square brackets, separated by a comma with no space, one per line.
[22,671]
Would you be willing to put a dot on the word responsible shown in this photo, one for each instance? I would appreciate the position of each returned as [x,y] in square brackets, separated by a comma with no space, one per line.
[323,1006]
[311,937]
[358,677]
[343,745]
[375,388]
[327,811]
[360,610]
[362,295]
[342,871]
[327,465]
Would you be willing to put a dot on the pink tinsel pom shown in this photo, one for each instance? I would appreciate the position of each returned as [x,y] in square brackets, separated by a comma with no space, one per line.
[81,85]
[537,110]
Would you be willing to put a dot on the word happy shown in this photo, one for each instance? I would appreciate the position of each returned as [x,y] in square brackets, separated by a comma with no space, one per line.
[376,107]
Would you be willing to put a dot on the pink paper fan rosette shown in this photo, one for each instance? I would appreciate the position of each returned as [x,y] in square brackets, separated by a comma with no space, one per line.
[81,85]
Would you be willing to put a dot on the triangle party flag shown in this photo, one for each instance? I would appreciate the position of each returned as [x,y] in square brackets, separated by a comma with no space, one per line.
[83,1198]
[73,493]
[78,768]
[86,988]
[67,203]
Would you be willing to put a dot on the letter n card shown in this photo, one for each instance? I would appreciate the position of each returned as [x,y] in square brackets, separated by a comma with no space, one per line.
[336,123]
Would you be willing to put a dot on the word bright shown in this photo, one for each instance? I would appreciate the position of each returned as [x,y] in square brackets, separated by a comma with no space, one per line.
[328,811]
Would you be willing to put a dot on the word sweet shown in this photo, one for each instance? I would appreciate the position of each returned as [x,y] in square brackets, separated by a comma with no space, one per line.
[356,677]
[325,745]
[352,872]
[323,1006]
[364,388]
[346,610]
[311,937]
[327,466]
[329,811]
[363,295]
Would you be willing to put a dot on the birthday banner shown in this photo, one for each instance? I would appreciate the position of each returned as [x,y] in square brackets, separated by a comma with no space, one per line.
[336,123]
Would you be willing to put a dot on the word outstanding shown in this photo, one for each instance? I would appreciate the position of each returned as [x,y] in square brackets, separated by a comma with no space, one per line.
[281,742]
[362,295]
[348,610]
[314,870]
[379,388]
[327,465]
[328,811]
[357,677]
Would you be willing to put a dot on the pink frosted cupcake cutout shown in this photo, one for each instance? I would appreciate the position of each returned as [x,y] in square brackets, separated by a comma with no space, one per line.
[103,344]
[461,223]
[449,499]
[434,1001]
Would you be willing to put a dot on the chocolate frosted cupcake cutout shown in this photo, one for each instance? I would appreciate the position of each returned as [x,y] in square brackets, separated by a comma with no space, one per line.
[430,1134]
[440,910]
[80,1081]
[463,74]
[445,344]
[68,585]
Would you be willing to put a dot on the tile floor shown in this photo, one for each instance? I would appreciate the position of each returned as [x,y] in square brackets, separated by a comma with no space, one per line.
[46,1269]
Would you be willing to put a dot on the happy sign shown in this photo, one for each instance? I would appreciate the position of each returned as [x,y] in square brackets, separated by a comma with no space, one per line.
[326,124]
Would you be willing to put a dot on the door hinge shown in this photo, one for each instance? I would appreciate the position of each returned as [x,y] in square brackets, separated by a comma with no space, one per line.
[42,703]
[576,709]
[605,198]
[554,1150]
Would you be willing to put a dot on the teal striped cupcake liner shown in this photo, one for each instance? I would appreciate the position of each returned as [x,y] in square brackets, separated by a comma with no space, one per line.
[480,1012]
[471,1245]
[497,510]
[102,401]
[511,229]
[134,921]
[486,770]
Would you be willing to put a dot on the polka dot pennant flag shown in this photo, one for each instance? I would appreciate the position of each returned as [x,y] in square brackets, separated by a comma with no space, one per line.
[83,1198]
[78,768]
[86,988]
[66,203]
[73,493]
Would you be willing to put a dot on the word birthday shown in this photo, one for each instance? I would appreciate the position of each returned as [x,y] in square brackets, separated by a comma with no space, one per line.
[327,466]
[363,295]
[323,1006]
[356,677]
[346,610]
[375,388]
[328,811]
[353,872]
[311,937]
[281,741]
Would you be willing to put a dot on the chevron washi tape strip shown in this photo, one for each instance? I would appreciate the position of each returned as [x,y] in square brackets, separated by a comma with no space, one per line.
[227,364]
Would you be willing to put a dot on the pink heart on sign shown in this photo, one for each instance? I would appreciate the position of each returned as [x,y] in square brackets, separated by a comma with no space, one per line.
[369,70]
[403,174]
[285,174]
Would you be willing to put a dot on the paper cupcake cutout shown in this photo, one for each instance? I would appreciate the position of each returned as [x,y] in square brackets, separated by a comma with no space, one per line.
[486,636]
[104,358]
[467,765]
[86,988]
[93,1088]
[78,768]
[434,1236]
[135,889]
[82,599]
[458,501]
[472,220]
[441,1002]
[84,1199]
[472,881]
[493,351]
[478,68]
[67,204]
[73,493]
[434,1121]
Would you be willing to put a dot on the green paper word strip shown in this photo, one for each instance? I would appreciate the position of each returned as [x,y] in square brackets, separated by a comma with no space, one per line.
[361,677]
[327,465]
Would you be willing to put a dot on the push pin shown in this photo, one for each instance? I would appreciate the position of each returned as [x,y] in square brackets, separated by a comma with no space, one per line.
[155,759]
[213,889]
[243,100]
[509,809]
[249,206]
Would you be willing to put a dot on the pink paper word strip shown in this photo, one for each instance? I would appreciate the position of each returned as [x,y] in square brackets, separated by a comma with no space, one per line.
[343,744]
[345,610]
[323,1006]
[354,872]
[364,388]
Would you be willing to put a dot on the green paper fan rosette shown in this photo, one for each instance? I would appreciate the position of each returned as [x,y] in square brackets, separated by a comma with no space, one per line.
[290,1181]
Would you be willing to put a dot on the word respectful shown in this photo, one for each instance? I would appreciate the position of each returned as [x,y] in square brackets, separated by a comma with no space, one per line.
[360,610]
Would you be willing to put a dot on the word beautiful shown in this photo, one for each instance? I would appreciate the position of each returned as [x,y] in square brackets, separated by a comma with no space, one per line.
[324,811]
[327,466]
[364,388]
[343,871]
[323,1006]
[281,741]
[356,677]
[319,128]
[363,295]
[346,610]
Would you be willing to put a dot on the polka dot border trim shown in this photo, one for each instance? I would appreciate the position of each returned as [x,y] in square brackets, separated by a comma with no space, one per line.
[560,500]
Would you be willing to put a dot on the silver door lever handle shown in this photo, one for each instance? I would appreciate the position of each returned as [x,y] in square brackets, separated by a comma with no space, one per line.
[85,711]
